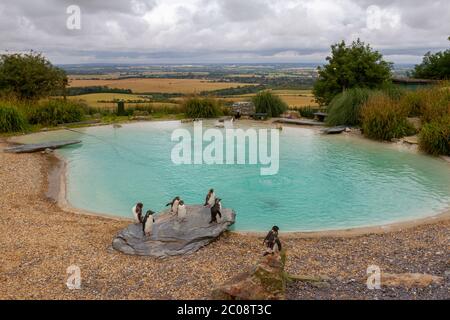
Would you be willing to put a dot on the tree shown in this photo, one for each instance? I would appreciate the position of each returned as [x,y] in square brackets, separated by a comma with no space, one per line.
[30,75]
[352,66]
[267,102]
[434,66]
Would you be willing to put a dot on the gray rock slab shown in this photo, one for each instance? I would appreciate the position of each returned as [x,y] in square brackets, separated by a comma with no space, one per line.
[300,122]
[172,236]
[334,130]
[29,148]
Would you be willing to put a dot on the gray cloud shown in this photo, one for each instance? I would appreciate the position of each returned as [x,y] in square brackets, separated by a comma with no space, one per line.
[156,31]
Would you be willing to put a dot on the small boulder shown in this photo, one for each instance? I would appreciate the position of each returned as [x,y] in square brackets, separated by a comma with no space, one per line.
[141,118]
[411,140]
[265,281]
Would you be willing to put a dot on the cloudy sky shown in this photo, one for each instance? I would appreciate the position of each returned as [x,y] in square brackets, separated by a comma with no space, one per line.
[209,31]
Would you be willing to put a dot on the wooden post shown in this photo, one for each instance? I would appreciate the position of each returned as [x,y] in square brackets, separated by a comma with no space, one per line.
[120,108]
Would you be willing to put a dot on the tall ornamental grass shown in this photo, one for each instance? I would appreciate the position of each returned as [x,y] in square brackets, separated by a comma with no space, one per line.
[345,108]
[196,107]
[11,118]
[56,111]
[434,138]
[384,118]
[267,102]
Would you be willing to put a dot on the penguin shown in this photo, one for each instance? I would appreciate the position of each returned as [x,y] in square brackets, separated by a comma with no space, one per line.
[215,210]
[174,205]
[181,210]
[147,223]
[210,198]
[272,242]
[137,212]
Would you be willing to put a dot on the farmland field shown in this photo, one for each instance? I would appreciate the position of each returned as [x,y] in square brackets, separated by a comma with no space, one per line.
[162,85]
[294,98]
[97,100]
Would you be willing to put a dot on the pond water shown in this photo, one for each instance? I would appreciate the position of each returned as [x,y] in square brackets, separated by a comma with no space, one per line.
[323,183]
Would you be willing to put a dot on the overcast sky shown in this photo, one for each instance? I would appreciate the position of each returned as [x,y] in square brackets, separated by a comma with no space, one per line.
[208,31]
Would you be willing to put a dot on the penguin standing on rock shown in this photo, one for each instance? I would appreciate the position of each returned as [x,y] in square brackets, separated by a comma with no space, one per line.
[210,198]
[174,205]
[181,210]
[147,223]
[216,210]
[137,212]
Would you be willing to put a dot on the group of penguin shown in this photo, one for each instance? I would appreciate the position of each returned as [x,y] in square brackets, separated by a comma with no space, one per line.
[177,207]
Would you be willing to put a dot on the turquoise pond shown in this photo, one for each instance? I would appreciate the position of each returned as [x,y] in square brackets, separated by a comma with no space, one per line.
[323,183]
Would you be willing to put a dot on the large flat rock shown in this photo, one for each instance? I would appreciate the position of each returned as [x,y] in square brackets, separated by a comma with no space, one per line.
[300,122]
[334,130]
[29,148]
[172,236]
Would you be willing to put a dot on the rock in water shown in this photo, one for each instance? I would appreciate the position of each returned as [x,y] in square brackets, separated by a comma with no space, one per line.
[172,236]
[265,281]
[334,130]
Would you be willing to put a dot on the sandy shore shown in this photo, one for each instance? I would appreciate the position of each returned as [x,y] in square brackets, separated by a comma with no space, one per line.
[39,241]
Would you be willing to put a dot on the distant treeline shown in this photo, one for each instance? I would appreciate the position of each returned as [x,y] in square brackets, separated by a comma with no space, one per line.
[274,85]
[75,91]
[161,96]
[234,91]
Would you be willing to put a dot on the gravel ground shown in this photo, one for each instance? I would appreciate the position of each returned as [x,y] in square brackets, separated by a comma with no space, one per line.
[38,241]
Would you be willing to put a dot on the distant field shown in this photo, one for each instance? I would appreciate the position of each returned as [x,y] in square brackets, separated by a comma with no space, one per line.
[108,76]
[93,99]
[294,98]
[138,85]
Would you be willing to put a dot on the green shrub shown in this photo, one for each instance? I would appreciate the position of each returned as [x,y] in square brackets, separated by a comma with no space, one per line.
[393,91]
[412,101]
[435,103]
[267,102]
[195,107]
[428,104]
[56,111]
[434,138]
[345,108]
[11,119]
[384,118]
[307,112]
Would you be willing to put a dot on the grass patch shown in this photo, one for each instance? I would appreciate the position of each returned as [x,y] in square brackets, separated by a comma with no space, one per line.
[428,104]
[384,118]
[345,108]
[196,107]
[267,102]
[434,138]
[11,118]
[56,111]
